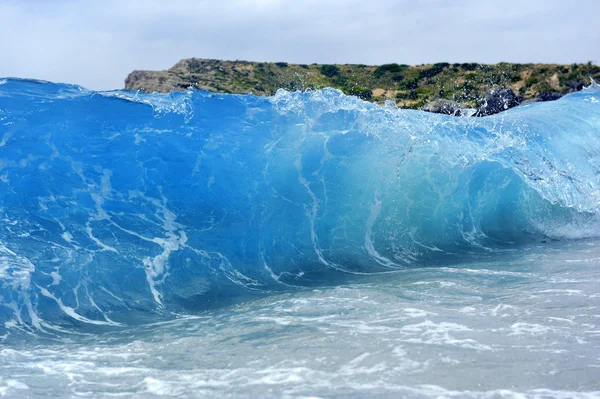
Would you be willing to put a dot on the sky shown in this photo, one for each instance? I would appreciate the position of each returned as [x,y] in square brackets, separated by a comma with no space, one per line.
[97,43]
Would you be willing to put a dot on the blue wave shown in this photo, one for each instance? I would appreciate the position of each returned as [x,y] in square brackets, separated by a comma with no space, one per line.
[118,207]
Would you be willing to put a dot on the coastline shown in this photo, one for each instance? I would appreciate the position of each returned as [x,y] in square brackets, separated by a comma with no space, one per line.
[440,88]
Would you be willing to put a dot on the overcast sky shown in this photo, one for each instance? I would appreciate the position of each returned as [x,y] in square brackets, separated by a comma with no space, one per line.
[97,43]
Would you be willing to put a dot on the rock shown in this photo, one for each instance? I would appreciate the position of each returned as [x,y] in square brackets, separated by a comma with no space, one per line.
[576,85]
[548,96]
[155,81]
[498,101]
[445,107]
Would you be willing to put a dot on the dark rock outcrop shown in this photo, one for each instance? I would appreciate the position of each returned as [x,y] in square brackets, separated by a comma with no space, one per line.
[445,107]
[548,96]
[576,85]
[498,101]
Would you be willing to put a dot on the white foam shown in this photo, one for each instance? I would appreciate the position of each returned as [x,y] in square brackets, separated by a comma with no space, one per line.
[67,237]
[5,139]
[369,245]
[8,386]
[69,311]
[104,246]
[529,328]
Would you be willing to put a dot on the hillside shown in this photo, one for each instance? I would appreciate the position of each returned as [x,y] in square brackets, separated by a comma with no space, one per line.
[440,87]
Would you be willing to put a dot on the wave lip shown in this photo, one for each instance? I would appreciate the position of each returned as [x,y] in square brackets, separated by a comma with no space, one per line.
[121,207]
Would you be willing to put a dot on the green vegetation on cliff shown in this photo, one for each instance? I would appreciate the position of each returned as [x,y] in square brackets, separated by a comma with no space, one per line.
[465,84]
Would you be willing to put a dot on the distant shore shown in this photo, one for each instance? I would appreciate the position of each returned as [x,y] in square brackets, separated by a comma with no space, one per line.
[442,88]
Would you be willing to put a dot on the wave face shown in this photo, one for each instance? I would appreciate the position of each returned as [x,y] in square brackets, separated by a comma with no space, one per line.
[119,207]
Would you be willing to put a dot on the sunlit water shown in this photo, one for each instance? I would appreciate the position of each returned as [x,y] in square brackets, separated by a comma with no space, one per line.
[304,245]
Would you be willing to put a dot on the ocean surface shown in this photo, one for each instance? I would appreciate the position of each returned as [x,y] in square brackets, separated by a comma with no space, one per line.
[300,245]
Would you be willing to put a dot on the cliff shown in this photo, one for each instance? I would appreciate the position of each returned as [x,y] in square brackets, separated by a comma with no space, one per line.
[440,87]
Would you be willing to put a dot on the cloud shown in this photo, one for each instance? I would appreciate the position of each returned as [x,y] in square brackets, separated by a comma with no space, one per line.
[96,44]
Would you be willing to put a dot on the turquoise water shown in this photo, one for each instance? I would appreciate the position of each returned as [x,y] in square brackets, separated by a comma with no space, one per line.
[302,245]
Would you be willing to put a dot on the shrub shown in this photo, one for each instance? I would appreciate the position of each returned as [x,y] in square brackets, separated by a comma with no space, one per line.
[531,81]
[411,95]
[360,92]
[195,65]
[393,68]
[434,70]
[515,79]
[340,81]
[409,85]
[281,64]
[293,85]
[330,70]
[469,66]
[449,94]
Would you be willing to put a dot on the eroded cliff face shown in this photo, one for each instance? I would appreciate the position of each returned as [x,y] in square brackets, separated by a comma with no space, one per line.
[151,81]
[466,85]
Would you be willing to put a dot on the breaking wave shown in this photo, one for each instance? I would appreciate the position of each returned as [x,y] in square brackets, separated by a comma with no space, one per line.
[121,207]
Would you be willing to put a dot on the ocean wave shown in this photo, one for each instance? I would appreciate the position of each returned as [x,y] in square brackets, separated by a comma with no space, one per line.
[117,207]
